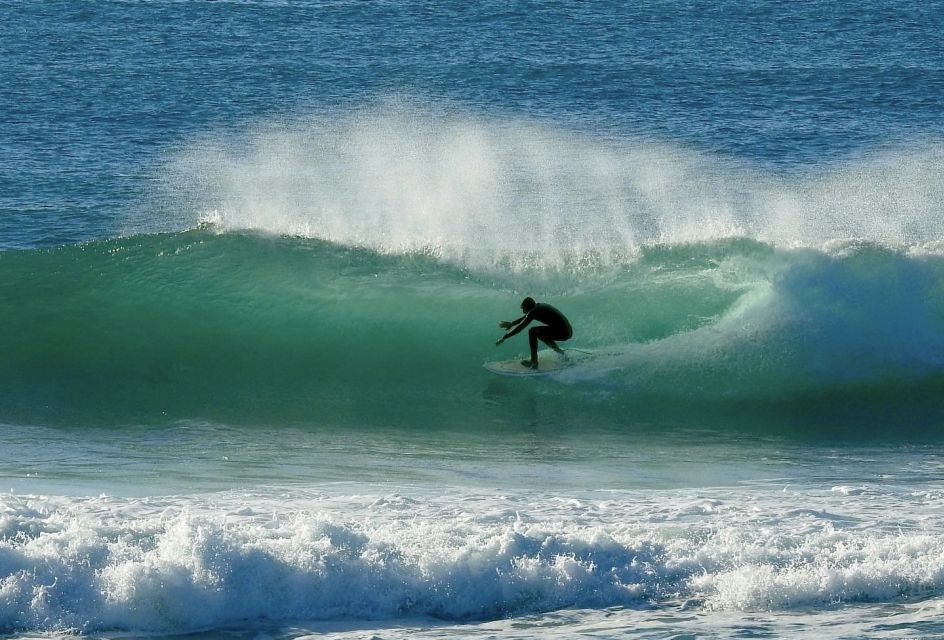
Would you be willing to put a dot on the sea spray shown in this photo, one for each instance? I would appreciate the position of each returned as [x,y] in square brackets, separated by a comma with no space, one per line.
[495,193]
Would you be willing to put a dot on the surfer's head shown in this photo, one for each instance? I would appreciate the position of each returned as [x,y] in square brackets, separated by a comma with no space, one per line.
[527,304]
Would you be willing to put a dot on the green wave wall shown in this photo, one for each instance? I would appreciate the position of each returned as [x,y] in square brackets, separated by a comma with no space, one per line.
[258,329]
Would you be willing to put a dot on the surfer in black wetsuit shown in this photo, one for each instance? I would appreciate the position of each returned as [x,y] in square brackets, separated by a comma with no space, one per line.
[556,328]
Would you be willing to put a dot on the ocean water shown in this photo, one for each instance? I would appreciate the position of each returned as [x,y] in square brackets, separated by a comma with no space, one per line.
[253,256]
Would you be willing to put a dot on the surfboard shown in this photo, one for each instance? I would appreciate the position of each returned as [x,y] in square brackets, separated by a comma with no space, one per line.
[548,362]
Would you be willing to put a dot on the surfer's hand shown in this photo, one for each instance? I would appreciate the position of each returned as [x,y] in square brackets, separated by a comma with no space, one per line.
[504,324]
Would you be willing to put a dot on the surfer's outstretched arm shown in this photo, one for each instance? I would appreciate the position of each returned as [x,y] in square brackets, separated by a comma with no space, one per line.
[505,324]
[518,325]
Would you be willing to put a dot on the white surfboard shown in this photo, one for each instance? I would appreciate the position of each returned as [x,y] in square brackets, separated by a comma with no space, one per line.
[548,362]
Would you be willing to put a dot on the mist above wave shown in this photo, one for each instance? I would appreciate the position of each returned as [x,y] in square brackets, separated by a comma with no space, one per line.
[482,191]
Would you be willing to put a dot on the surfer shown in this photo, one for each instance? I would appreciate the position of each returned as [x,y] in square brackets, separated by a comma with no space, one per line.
[556,328]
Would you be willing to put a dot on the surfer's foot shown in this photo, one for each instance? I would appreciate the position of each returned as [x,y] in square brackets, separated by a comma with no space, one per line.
[558,351]
[531,364]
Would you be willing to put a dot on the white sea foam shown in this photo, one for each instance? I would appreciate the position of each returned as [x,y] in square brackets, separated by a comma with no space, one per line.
[180,564]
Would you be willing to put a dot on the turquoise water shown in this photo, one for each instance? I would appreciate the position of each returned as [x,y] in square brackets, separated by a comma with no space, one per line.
[252,260]
[256,329]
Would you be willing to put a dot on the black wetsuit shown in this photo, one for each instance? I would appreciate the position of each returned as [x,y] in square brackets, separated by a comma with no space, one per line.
[556,328]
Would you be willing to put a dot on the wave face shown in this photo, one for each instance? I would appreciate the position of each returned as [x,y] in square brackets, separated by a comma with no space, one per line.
[252,328]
